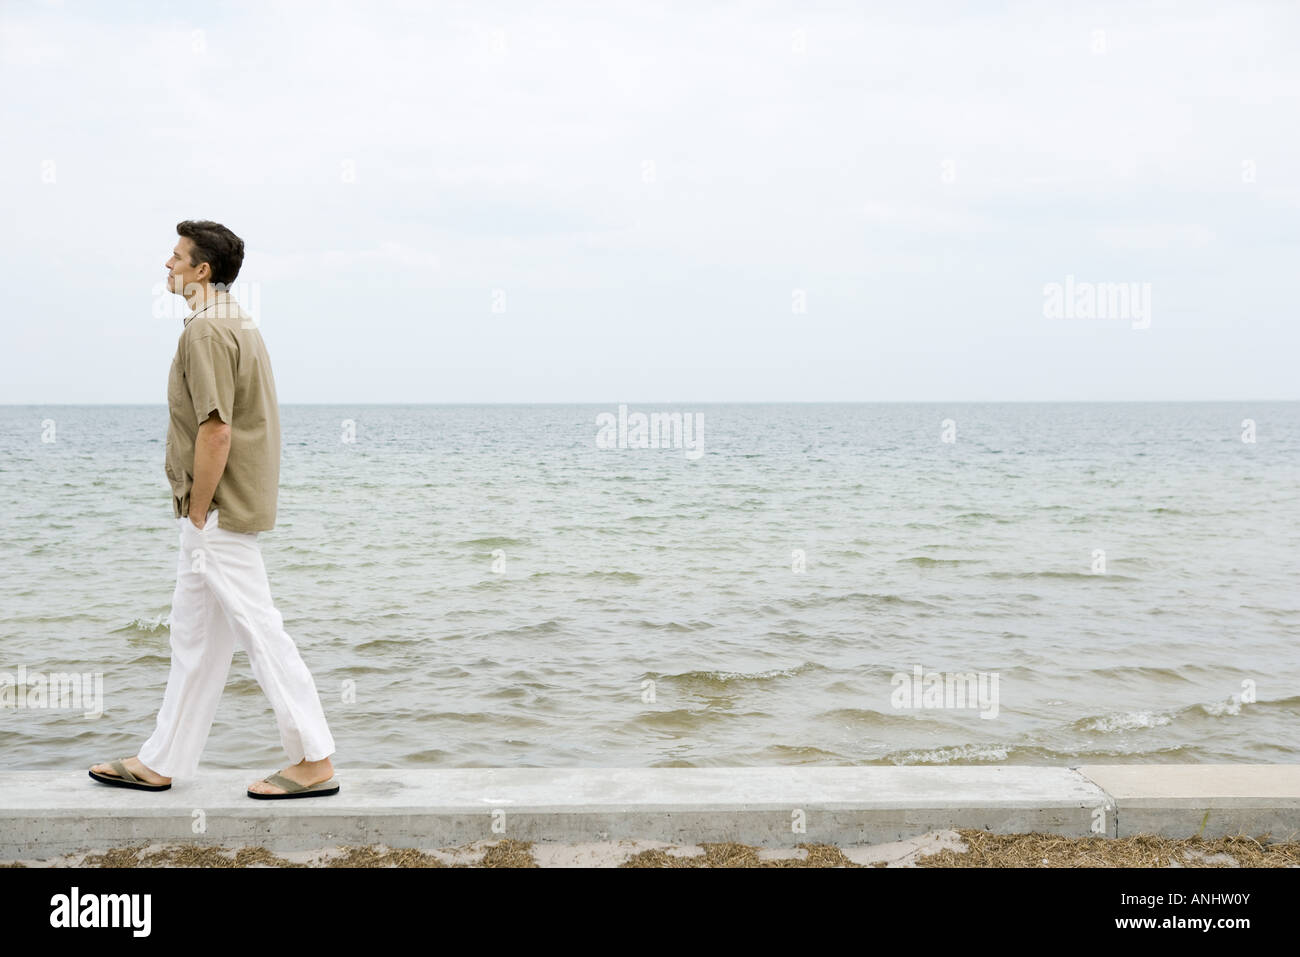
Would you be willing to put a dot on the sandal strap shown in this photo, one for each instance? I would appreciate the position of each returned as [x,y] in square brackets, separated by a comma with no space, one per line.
[287,784]
[122,771]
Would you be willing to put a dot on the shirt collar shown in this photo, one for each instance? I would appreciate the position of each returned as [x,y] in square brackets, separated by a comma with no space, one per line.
[220,296]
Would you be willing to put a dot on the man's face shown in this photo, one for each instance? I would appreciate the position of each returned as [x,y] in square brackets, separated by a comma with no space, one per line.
[181,276]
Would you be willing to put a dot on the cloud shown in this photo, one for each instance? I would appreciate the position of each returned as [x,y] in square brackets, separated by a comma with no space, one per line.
[1155,236]
[646,167]
[26,45]
[925,218]
[272,266]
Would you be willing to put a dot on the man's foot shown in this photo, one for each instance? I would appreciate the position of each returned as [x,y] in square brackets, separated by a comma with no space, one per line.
[135,767]
[304,772]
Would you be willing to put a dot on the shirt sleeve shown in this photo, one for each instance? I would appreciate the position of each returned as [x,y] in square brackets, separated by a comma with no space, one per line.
[210,374]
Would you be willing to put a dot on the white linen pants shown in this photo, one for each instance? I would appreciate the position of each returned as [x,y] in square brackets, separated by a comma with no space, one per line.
[222,598]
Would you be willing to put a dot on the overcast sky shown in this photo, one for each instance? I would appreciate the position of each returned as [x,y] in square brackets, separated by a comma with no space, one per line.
[666,202]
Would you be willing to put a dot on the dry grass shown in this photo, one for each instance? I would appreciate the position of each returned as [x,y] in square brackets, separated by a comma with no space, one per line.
[740,855]
[1046,850]
[180,856]
[982,850]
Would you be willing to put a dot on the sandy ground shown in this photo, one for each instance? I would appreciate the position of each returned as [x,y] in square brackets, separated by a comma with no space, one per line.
[936,849]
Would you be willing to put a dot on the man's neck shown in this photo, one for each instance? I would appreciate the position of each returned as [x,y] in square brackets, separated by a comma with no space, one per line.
[204,296]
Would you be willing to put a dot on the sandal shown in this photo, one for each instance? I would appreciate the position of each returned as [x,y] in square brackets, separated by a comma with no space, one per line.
[125,779]
[295,790]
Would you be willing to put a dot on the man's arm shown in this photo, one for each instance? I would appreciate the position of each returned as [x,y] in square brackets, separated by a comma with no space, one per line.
[211,448]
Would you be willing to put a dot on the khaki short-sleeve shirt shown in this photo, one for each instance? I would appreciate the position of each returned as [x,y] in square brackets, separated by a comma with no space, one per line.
[221,366]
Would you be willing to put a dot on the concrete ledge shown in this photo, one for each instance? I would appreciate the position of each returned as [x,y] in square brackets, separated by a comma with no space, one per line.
[1210,800]
[49,813]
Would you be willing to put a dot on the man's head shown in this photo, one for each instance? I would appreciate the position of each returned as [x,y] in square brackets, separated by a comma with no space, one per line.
[206,253]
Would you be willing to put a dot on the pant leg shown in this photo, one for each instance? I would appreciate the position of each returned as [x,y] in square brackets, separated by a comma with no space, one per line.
[202,645]
[238,580]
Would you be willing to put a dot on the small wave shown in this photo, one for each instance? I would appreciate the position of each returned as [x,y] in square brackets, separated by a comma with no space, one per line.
[382,644]
[146,626]
[729,677]
[984,517]
[552,626]
[1124,721]
[149,660]
[349,671]
[244,685]
[1133,720]
[1218,709]
[865,717]
[1144,672]
[628,577]
[673,626]
[964,753]
[856,598]
[676,719]
[492,542]
[1233,705]
[427,756]
[1291,703]
[514,722]
[925,561]
[782,753]
[1062,576]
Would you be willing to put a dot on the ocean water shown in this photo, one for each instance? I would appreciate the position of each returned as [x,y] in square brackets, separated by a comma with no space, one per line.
[484,586]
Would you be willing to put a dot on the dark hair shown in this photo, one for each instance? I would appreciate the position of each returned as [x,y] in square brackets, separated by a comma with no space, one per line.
[215,245]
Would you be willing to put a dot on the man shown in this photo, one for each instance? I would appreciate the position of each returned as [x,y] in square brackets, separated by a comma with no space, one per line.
[223,463]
